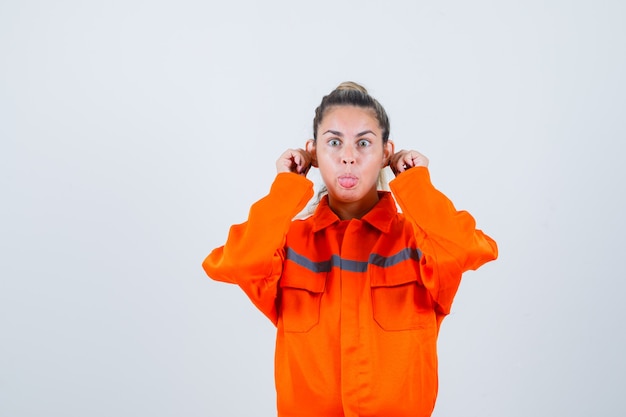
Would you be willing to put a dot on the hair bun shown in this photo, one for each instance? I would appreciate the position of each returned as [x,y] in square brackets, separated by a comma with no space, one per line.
[350,85]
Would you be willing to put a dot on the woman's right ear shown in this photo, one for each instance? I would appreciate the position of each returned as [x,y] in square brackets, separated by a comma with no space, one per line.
[310,148]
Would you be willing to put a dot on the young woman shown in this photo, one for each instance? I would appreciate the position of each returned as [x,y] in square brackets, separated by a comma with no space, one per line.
[357,290]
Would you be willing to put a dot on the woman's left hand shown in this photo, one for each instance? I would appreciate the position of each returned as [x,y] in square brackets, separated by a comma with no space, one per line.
[403,160]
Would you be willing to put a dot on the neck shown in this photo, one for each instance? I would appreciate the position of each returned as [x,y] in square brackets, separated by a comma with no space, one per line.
[348,210]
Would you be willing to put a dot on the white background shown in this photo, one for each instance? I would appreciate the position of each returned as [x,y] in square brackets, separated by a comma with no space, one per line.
[134,133]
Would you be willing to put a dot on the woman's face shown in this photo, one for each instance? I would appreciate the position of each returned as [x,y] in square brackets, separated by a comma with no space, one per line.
[349,153]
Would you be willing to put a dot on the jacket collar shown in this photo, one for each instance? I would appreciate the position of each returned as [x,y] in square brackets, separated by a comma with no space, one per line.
[380,216]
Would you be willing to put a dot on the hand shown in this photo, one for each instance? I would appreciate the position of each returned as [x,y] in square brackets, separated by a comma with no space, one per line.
[403,160]
[297,161]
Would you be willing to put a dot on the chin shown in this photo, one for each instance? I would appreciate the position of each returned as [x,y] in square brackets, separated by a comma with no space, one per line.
[346,195]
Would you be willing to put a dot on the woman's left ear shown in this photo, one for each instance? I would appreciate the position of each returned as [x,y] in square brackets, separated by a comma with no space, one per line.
[310,148]
[388,149]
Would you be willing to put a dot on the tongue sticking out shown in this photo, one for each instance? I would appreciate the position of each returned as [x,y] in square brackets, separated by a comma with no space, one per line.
[347,182]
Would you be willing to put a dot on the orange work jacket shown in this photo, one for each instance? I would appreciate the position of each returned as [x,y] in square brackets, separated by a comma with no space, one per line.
[357,303]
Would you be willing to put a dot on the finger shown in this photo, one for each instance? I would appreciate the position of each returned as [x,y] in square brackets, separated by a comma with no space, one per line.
[305,166]
[419,160]
[287,162]
[292,161]
[408,161]
[394,163]
[398,166]
[302,162]
[404,161]
[302,167]
[295,161]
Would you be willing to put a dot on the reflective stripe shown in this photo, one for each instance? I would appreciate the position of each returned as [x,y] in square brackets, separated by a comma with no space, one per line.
[353,266]
[305,262]
[403,255]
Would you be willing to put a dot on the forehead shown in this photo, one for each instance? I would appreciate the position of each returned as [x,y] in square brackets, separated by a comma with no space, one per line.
[350,117]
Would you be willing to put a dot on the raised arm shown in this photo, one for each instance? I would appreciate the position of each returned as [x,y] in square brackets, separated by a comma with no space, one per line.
[253,254]
[448,238]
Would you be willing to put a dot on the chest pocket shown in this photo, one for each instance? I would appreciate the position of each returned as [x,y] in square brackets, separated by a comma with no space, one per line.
[300,299]
[399,301]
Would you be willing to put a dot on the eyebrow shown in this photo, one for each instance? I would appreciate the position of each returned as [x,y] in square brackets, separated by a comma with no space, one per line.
[336,133]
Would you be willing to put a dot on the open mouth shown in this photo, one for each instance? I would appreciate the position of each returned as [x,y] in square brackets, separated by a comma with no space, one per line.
[348,181]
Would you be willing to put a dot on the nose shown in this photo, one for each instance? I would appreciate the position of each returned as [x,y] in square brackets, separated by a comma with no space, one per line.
[348,156]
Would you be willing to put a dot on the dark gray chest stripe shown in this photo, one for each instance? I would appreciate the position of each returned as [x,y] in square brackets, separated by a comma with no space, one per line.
[353,266]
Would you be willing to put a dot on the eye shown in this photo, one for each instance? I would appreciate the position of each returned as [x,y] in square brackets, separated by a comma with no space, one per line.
[363,143]
[334,142]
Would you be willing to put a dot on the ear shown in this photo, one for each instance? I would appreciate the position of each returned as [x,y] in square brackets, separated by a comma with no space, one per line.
[310,148]
[388,149]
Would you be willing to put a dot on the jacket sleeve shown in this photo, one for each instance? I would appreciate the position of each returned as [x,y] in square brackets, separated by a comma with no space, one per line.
[254,251]
[448,239]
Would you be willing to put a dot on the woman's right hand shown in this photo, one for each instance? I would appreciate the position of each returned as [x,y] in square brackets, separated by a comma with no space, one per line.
[297,161]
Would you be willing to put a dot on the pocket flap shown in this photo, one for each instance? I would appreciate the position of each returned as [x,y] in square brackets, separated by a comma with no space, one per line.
[303,279]
[392,277]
